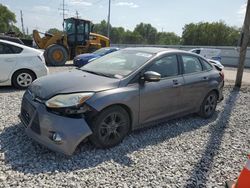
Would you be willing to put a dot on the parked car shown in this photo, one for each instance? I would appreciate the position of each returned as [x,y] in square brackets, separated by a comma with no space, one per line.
[116,94]
[209,53]
[84,59]
[20,65]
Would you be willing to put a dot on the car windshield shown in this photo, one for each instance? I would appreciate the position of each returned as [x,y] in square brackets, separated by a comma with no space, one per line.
[101,51]
[118,64]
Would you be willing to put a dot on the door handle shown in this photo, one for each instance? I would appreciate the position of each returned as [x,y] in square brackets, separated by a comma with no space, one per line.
[176,83]
[205,78]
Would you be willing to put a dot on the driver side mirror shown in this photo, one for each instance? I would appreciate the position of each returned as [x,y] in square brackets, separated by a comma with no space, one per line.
[151,76]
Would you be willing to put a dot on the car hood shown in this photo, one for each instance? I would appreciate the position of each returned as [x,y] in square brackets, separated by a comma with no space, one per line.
[86,56]
[71,82]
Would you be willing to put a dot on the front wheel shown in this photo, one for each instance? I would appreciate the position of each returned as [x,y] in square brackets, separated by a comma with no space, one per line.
[209,104]
[56,55]
[110,127]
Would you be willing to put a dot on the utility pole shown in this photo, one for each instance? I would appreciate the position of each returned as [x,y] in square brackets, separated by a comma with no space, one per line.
[77,14]
[243,46]
[108,27]
[21,12]
[63,9]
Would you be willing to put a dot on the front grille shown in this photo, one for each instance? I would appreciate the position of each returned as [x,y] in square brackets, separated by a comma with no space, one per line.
[25,117]
[27,113]
[35,125]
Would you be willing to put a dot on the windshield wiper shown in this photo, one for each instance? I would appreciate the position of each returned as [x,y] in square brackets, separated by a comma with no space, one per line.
[99,73]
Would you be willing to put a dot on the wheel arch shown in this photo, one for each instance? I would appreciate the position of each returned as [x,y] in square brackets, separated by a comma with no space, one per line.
[125,107]
[22,69]
[216,91]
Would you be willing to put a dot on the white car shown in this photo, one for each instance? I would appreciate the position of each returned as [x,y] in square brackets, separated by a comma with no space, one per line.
[209,53]
[217,63]
[20,65]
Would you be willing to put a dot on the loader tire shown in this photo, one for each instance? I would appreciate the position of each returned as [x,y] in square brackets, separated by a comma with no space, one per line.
[56,55]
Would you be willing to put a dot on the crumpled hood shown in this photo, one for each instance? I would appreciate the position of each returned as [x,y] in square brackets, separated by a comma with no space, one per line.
[71,82]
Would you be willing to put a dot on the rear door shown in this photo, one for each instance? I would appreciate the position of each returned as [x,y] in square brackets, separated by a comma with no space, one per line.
[162,99]
[196,80]
[9,55]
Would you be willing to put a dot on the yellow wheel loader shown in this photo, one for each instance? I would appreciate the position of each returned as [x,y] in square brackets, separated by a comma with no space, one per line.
[76,39]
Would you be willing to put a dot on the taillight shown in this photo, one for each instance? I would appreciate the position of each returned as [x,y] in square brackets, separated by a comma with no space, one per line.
[41,58]
[222,74]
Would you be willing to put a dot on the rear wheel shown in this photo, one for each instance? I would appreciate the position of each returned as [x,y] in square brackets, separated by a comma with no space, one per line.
[209,104]
[110,127]
[22,79]
[56,55]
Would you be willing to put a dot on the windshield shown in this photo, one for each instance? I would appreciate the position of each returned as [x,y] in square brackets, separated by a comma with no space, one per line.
[118,64]
[101,51]
[69,26]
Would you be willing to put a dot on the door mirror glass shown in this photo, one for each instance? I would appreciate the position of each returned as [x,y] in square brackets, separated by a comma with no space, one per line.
[152,76]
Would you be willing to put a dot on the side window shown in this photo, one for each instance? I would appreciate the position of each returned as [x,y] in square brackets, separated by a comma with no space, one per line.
[206,65]
[166,66]
[1,49]
[16,50]
[5,49]
[191,64]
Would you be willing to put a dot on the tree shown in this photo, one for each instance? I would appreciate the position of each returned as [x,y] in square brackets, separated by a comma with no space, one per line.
[117,34]
[204,33]
[168,38]
[148,33]
[132,38]
[54,30]
[7,19]
[101,28]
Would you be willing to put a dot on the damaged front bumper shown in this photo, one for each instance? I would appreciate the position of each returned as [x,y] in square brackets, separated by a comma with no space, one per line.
[58,133]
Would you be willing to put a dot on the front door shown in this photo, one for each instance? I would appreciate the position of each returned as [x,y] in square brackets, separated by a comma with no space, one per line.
[162,99]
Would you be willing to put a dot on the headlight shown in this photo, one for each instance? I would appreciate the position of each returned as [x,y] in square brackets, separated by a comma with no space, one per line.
[68,100]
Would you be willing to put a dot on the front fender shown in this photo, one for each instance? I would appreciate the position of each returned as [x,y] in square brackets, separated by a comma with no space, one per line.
[127,96]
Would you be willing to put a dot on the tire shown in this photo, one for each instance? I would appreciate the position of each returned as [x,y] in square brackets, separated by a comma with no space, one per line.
[22,79]
[56,55]
[208,105]
[110,127]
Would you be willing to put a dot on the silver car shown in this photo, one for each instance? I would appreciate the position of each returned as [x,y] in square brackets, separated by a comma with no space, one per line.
[116,94]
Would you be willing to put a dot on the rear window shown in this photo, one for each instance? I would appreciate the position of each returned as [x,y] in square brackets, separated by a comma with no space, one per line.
[191,64]
[9,49]
[206,65]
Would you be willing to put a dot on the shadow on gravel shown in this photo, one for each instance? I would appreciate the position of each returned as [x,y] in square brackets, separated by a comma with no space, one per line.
[198,176]
[24,155]
[8,89]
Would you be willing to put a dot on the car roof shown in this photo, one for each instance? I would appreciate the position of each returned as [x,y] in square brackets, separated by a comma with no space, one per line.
[20,45]
[154,50]
[12,43]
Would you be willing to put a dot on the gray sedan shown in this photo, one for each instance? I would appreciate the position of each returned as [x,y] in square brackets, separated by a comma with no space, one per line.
[116,94]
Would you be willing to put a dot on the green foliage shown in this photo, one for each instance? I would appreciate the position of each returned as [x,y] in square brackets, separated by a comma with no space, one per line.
[213,34]
[54,31]
[147,32]
[101,28]
[142,34]
[168,38]
[7,18]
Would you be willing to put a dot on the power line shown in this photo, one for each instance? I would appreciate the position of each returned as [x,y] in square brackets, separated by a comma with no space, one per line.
[77,14]
[21,12]
[108,29]
[63,9]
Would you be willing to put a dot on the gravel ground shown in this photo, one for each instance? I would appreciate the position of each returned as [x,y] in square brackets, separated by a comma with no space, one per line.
[186,152]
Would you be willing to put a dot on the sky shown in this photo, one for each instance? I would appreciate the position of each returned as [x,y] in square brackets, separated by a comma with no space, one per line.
[164,15]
